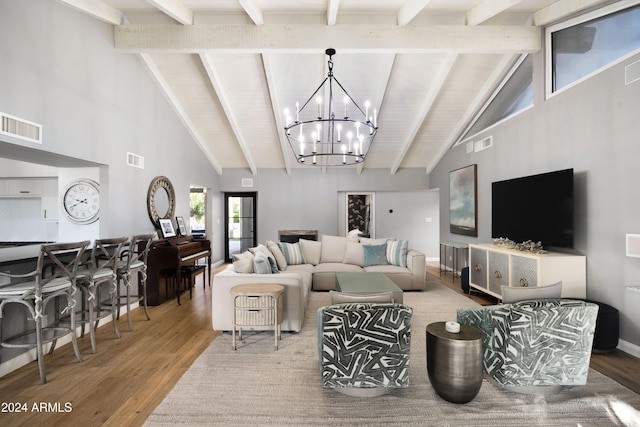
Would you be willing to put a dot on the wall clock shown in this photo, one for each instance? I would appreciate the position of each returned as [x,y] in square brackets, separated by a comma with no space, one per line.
[81,201]
[161,200]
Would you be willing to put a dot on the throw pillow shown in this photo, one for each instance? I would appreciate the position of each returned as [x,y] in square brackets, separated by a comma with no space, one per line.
[262,249]
[277,254]
[243,263]
[292,253]
[397,252]
[333,249]
[311,250]
[261,264]
[511,294]
[375,254]
[354,254]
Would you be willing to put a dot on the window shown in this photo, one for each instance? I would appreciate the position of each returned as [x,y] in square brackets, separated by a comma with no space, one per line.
[512,96]
[581,47]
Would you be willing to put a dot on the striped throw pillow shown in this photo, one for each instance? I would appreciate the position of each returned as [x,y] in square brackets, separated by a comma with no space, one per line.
[397,252]
[292,253]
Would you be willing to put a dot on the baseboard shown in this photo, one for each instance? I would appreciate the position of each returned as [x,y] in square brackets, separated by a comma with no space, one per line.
[629,348]
[30,356]
[217,263]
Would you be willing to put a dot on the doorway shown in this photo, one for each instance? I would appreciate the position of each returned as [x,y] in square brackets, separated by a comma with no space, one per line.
[197,211]
[241,223]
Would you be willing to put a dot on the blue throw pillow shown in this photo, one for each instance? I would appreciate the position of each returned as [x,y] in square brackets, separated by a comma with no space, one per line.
[375,254]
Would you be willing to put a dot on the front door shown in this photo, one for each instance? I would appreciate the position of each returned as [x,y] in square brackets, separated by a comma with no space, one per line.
[241,223]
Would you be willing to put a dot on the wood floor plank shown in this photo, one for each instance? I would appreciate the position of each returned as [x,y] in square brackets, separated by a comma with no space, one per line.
[128,377]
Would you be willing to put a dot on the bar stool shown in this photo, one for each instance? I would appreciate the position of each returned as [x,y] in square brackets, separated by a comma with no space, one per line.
[38,291]
[135,263]
[100,270]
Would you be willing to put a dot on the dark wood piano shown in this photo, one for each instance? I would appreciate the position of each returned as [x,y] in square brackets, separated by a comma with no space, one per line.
[165,260]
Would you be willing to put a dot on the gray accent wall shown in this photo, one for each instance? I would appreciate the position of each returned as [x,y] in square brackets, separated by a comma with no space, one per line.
[594,128]
[311,198]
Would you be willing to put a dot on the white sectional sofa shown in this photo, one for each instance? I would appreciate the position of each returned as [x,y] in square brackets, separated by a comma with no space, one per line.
[312,265]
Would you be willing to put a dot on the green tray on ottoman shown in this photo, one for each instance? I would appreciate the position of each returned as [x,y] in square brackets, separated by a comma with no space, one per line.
[367,283]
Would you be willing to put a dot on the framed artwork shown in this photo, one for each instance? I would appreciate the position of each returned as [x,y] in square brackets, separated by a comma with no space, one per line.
[360,218]
[463,201]
[167,228]
[182,229]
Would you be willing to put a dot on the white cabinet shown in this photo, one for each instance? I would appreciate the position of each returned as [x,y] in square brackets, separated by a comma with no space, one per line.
[24,187]
[491,267]
[49,208]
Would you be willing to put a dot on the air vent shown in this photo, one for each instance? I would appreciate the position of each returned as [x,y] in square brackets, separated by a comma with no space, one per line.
[632,73]
[483,144]
[247,182]
[469,147]
[135,160]
[20,128]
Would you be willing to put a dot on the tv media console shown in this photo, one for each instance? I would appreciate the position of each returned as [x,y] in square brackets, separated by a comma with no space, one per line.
[491,267]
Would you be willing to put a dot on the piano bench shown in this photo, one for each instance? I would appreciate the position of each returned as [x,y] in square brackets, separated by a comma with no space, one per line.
[189,273]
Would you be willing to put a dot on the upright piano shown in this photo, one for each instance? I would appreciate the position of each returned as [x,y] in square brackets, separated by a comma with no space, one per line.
[165,261]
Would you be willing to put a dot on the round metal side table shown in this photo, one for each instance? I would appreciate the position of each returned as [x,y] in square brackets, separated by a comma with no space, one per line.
[454,362]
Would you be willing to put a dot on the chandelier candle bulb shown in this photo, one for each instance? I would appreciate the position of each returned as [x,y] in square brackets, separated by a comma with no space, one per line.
[349,136]
[298,113]
[346,107]
[375,118]
[339,127]
[319,101]
[366,108]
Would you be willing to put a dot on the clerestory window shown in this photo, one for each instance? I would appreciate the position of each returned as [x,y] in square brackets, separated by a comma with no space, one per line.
[585,45]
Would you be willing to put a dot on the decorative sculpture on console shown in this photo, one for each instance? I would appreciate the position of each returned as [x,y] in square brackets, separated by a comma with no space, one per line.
[526,246]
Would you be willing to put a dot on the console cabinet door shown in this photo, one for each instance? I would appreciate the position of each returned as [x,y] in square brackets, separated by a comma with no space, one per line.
[478,268]
[498,271]
[524,271]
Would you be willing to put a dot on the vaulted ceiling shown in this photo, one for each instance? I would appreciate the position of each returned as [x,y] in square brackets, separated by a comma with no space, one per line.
[230,68]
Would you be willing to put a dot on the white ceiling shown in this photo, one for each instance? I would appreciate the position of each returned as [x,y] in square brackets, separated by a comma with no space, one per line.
[231,67]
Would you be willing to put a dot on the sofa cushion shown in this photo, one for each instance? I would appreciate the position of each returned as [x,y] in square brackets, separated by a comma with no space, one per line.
[375,254]
[243,263]
[292,253]
[335,267]
[311,250]
[397,252]
[277,254]
[369,241]
[354,254]
[261,264]
[333,249]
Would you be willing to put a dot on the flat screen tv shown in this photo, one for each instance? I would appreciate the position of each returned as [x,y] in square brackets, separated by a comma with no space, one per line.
[536,207]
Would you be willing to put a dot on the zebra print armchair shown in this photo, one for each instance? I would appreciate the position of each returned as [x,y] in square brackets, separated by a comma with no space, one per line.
[363,348]
[535,346]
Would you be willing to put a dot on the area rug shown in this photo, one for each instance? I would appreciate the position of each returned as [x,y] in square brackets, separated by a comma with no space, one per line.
[257,385]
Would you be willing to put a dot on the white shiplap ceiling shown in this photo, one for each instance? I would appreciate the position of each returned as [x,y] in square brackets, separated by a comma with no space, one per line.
[231,67]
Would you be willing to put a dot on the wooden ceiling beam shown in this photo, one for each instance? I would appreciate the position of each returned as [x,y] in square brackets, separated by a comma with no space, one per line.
[236,38]
[410,9]
[488,9]
[174,9]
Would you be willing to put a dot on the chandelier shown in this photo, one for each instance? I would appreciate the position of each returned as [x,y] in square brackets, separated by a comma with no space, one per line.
[323,136]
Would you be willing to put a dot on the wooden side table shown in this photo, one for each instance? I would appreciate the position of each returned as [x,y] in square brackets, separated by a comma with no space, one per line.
[257,305]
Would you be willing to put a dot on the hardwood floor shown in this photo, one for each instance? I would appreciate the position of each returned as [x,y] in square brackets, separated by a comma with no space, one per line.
[127,378]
